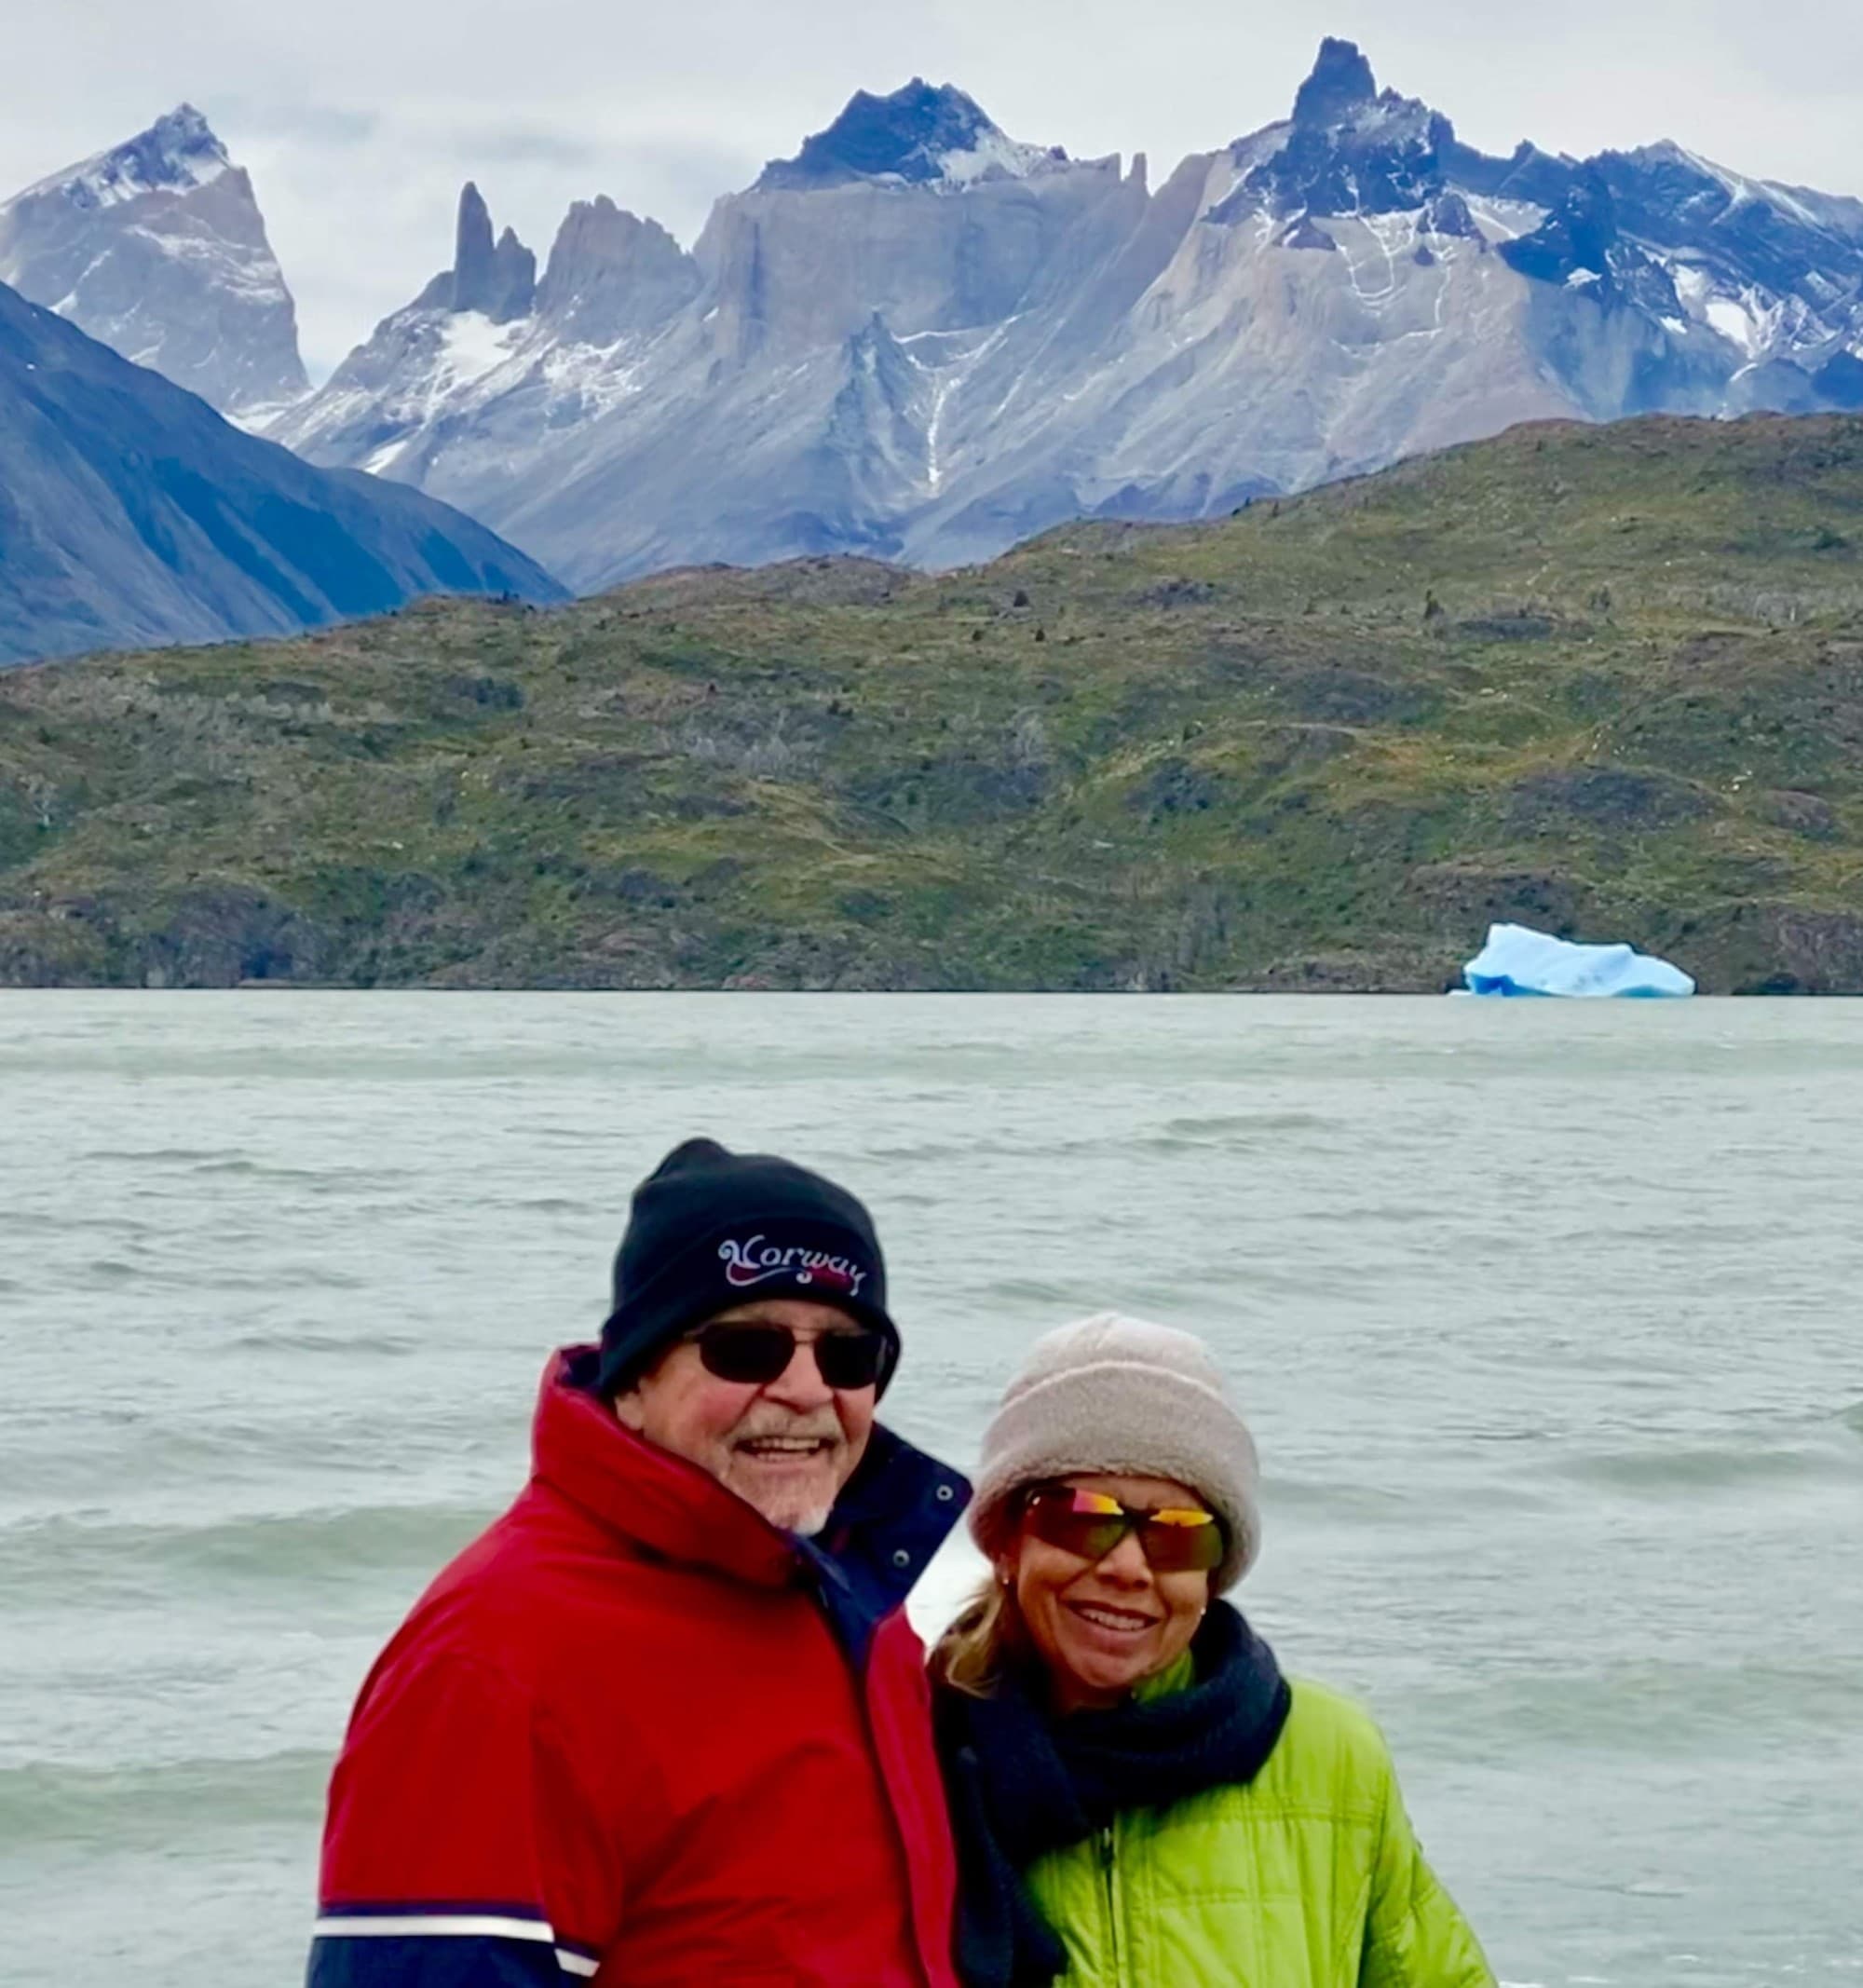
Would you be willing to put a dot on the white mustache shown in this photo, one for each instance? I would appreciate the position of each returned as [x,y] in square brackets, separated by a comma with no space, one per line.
[818,1424]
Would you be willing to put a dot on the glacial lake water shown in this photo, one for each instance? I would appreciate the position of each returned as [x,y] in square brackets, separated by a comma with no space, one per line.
[1546,1319]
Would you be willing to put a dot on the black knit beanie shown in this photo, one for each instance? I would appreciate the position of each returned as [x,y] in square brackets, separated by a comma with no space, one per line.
[711,1229]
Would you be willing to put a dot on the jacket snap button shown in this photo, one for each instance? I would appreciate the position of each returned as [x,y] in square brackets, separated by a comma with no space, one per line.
[902,1558]
[945,1495]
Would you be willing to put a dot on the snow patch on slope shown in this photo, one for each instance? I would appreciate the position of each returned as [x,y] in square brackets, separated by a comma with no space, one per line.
[256,277]
[1504,220]
[1746,193]
[472,346]
[593,378]
[1752,320]
[995,155]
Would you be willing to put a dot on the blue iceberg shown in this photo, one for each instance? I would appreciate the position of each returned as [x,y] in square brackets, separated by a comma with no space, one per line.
[1518,961]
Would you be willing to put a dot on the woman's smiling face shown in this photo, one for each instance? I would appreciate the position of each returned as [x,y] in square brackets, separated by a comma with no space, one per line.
[1100,1626]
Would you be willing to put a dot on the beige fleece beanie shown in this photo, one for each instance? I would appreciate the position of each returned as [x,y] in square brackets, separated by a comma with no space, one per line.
[1128,1398]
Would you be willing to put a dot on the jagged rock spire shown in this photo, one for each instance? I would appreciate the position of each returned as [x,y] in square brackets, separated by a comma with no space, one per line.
[472,236]
[1349,149]
[1341,81]
[498,278]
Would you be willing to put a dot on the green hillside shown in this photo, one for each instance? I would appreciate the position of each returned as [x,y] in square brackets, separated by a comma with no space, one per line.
[1609,681]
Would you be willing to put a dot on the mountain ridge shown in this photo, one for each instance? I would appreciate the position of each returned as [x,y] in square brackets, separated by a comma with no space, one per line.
[866,351]
[921,338]
[132,513]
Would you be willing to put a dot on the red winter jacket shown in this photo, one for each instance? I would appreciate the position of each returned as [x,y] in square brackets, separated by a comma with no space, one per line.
[635,1734]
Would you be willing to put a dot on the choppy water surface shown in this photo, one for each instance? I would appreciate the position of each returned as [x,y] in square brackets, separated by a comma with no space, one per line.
[1546,1319]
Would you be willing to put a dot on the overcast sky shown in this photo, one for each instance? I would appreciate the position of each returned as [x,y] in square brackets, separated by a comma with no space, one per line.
[359,118]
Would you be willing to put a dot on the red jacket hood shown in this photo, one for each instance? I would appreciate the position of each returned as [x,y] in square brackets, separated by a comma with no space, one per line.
[679,1512]
[675,1509]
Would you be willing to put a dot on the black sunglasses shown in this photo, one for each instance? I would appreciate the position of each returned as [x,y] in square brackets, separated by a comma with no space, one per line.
[753,1355]
[1178,1539]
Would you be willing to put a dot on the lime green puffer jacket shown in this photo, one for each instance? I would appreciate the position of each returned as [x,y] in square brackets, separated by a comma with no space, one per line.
[1308,1877]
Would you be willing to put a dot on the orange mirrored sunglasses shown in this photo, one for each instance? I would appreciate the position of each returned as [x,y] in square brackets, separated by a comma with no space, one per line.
[1176,1539]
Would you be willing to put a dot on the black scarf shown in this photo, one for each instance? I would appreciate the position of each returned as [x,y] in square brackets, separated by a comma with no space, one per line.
[1023,1782]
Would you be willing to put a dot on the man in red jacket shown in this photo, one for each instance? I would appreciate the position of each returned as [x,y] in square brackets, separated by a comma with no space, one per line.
[665,1721]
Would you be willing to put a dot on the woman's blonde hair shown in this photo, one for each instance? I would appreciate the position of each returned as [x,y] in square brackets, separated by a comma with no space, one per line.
[987,1634]
[982,1641]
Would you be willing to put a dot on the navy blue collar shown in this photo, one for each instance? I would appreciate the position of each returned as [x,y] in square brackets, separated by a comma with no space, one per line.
[897,1510]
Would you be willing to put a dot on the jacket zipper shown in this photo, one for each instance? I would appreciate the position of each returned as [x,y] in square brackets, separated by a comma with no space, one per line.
[1109,1888]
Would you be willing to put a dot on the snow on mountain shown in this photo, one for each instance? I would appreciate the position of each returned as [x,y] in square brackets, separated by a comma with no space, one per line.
[175,155]
[157,249]
[924,339]
[919,136]
[488,365]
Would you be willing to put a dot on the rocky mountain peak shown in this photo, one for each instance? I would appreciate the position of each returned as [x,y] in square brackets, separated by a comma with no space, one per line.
[1342,83]
[157,249]
[596,233]
[921,133]
[1349,148]
[610,272]
[496,278]
[177,153]
[180,144]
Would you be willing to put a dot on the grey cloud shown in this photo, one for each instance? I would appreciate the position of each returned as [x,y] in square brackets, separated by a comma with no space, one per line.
[299,122]
[524,147]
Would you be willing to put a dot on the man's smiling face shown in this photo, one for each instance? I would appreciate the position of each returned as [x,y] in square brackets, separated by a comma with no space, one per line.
[786,1446]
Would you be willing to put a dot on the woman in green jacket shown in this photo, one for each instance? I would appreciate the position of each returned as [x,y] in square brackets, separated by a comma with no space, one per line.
[1141,1800]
